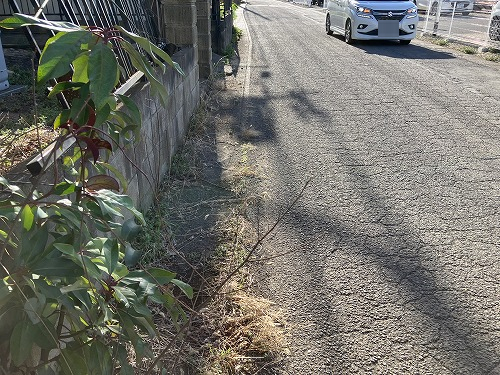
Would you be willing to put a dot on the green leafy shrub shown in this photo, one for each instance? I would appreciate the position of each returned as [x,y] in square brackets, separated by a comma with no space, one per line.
[73,298]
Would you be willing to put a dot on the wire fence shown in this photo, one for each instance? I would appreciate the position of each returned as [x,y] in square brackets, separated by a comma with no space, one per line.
[475,24]
[142,17]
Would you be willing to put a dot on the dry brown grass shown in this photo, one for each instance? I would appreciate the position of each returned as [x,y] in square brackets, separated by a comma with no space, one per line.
[247,335]
[16,145]
[231,329]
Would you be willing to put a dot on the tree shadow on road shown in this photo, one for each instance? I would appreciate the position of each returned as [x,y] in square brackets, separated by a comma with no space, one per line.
[367,288]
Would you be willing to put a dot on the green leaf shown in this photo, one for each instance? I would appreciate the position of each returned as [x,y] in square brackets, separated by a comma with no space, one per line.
[80,111]
[49,291]
[57,267]
[130,229]
[66,249]
[141,64]
[119,200]
[186,288]
[80,284]
[46,369]
[64,188]
[33,307]
[34,246]
[132,256]
[102,114]
[5,292]
[108,208]
[125,295]
[126,368]
[40,214]
[132,108]
[83,296]
[153,275]
[129,327]
[27,217]
[14,189]
[80,68]
[73,362]
[111,254]
[21,342]
[99,358]
[59,52]
[19,20]
[102,70]
[62,118]
[152,50]
[90,267]
[45,335]
[71,216]
[63,86]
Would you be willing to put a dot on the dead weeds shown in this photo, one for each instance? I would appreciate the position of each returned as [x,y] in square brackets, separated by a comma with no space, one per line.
[200,220]
[247,334]
[26,116]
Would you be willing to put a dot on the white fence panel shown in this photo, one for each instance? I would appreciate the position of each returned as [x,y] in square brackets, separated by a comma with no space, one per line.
[450,20]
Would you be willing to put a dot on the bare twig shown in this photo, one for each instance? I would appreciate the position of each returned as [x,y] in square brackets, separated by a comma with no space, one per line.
[261,239]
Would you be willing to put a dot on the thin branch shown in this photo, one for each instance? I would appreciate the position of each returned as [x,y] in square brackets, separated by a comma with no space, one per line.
[261,239]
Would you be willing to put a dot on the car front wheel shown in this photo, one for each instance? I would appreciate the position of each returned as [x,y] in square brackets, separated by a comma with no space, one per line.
[348,32]
[405,42]
[328,25]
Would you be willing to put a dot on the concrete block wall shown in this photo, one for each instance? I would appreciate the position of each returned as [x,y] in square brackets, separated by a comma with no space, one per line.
[204,24]
[145,163]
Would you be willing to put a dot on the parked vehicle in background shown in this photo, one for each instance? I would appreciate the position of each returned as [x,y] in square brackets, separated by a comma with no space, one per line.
[447,6]
[317,2]
[372,19]
[494,28]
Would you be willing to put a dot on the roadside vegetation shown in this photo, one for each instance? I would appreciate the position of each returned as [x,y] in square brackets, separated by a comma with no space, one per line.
[74,296]
[489,54]
[199,227]
[88,283]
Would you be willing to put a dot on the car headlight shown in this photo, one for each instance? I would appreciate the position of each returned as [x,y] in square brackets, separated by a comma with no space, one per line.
[363,12]
[412,12]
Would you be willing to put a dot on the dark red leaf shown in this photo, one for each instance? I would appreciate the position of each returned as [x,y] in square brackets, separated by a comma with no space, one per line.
[91,146]
[92,117]
[102,181]
[101,143]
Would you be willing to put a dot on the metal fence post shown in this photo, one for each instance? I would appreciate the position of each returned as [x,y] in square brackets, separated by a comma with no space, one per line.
[4,74]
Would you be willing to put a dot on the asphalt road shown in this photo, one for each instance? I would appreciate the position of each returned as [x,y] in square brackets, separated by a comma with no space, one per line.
[390,260]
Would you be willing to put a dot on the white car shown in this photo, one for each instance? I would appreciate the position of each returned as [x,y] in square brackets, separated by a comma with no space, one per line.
[494,28]
[447,6]
[372,19]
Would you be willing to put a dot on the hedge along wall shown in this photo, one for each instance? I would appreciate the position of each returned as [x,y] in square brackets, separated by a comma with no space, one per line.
[146,162]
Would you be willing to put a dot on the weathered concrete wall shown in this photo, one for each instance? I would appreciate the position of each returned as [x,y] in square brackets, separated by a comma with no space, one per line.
[145,164]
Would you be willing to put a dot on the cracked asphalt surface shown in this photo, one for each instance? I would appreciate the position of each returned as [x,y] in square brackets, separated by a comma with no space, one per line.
[391,257]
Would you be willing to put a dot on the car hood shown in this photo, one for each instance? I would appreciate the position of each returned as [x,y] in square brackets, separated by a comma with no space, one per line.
[384,5]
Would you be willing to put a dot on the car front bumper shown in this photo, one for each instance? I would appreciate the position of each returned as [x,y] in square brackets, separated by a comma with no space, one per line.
[386,29]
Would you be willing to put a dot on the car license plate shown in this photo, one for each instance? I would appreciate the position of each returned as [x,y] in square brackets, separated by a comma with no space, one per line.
[388,28]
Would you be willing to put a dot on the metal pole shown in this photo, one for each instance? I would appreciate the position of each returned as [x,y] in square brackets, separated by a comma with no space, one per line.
[452,17]
[4,74]
[436,20]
